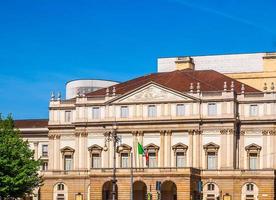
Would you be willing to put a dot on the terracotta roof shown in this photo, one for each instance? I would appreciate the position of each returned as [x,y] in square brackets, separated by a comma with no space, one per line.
[179,80]
[31,123]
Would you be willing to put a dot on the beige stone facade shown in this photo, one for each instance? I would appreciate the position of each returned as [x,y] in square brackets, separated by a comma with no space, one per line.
[200,144]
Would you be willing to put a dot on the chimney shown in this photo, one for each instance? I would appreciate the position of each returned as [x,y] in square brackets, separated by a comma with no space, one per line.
[184,63]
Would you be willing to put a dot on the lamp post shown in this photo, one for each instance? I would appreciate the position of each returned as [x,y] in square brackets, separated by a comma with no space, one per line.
[112,136]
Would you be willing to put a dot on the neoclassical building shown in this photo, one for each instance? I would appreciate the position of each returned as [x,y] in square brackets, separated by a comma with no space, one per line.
[205,136]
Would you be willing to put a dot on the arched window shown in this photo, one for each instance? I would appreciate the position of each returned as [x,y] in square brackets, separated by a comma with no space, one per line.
[250,191]
[60,192]
[210,187]
[60,186]
[250,187]
[210,191]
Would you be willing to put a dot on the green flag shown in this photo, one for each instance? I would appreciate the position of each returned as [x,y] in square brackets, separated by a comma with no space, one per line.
[140,149]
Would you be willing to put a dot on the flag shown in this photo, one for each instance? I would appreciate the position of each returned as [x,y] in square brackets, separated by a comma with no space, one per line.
[140,149]
[147,158]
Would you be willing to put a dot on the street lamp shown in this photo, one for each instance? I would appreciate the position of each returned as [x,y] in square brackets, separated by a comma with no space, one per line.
[112,136]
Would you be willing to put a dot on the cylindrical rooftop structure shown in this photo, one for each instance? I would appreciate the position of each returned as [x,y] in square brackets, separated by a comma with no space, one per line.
[83,86]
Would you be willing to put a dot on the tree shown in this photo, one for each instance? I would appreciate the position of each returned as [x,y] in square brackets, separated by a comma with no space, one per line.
[18,168]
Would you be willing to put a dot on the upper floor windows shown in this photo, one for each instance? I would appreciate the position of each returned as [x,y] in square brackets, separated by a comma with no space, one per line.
[67,154]
[124,160]
[96,113]
[253,155]
[253,110]
[44,150]
[180,150]
[152,111]
[212,109]
[68,116]
[124,112]
[44,166]
[180,110]
[95,154]
[211,152]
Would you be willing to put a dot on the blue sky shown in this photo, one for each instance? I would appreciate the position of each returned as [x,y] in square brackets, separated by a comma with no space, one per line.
[45,43]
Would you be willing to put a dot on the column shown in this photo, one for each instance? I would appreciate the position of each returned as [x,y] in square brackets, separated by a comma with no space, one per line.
[36,150]
[198,148]
[242,151]
[84,150]
[190,148]
[169,147]
[274,149]
[76,156]
[57,152]
[264,149]
[141,134]
[224,149]
[162,148]
[135,148]
[231,152]
[195,146]
[51,151]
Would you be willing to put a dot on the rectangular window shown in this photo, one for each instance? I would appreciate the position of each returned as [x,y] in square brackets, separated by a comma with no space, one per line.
[152,160]
[67,116]
[253,110]
[44,166]
[152,111]
[44,150]
[180,110]
[96,113]
[68,162]
[60,197]
[212,109]
[253,160]
[180,159]
[96,160]
[124,111]
[124,160]
[211,160]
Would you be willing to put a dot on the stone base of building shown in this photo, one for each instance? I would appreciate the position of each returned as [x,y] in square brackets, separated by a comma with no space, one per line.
[180,184]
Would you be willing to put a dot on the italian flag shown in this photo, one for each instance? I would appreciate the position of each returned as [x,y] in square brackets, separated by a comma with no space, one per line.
[141,151]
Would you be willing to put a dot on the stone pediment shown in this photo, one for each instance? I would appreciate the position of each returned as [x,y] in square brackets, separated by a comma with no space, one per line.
[153,93]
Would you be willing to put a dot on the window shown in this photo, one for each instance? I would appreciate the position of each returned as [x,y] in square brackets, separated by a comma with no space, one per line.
[180,159]
[67,116]
[250,187]
[68,162]
[124,160]
[96,113]
[253,160]
[60,187]
[211,187]
[211,160]
[152,159]
[180,110]
[44,150]
[151,111]
[96,160]
[212,109]
[44,166]
[253,110]
[124,111]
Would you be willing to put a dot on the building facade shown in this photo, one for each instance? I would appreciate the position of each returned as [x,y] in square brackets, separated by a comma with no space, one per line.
[204,135]
[255,69]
